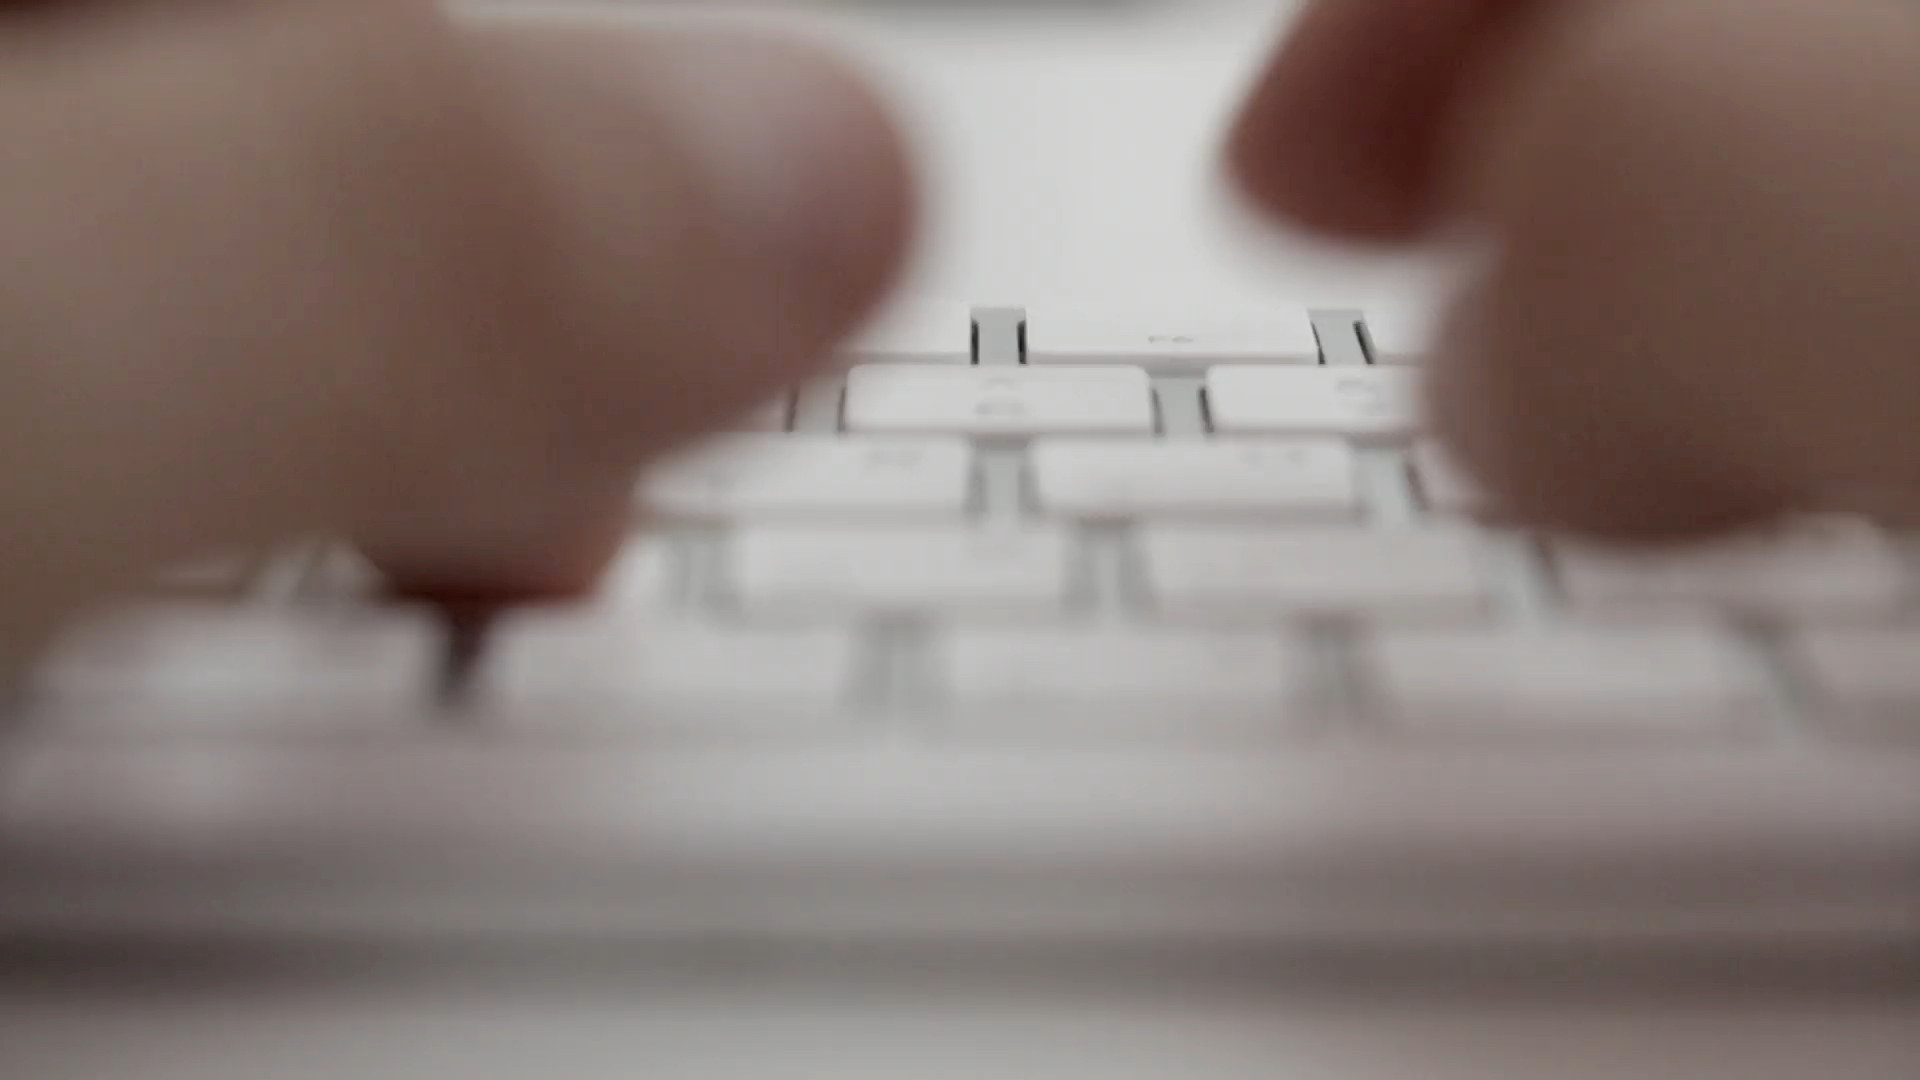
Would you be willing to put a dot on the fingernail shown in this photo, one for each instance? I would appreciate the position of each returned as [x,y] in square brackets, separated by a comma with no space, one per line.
[804,163]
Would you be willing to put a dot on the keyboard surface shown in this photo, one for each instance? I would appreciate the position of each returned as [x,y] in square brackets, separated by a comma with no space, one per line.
[1017,629]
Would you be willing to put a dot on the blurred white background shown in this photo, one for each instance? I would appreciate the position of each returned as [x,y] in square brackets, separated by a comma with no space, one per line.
[1070,152]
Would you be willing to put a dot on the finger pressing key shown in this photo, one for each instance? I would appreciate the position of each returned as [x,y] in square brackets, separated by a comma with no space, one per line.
[443,287]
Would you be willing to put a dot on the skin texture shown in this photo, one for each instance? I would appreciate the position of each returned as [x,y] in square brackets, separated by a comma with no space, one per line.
[347,268]
[276,270]
[1703,303]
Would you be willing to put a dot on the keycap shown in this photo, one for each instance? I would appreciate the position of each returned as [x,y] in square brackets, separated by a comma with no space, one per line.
[1862,672]
[1318,572]
[1371,403]
[620,671]
[1649,679]
[1824,572]
[1013,401]
[825,476]
[1176,681]
[186,668]
[892,570]
[1443,488]
[1399,333]
[1066,335]
[1116,478]
[917,331]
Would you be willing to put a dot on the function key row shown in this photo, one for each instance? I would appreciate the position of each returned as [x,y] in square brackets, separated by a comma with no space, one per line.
[944,333]
[1360,403]
[1016,401]
[1065,336]
[1387,333]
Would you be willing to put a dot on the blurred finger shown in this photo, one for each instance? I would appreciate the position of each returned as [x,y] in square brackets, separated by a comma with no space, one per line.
[1706,303]
[349,267]
[1342,132]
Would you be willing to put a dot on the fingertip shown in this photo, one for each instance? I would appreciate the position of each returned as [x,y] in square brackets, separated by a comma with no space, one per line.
[1667,350]
[1278,159]
[1343,128]
[731,203]
[1563,444]
[555,559]
[720,206]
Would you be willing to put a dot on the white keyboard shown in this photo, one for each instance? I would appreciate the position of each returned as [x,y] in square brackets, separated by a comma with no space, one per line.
[1025,629]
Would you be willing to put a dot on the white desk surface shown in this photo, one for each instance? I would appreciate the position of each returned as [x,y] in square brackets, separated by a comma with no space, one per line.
[1069,163]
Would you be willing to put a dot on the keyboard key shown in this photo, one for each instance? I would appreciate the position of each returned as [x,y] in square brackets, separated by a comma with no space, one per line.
[1671,679]
[1823,572]
[1442,486]
[799,476]
[1069,336]
[923,332]
[613,670]
[1373,404]
[1180,681]
[188,668]
[957,571]
[1016,401]
[1324,572]
[1124,478]
[1864,673]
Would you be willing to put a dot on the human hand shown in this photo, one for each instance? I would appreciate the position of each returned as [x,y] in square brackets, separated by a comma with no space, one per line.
[275,270]
[1703,304]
